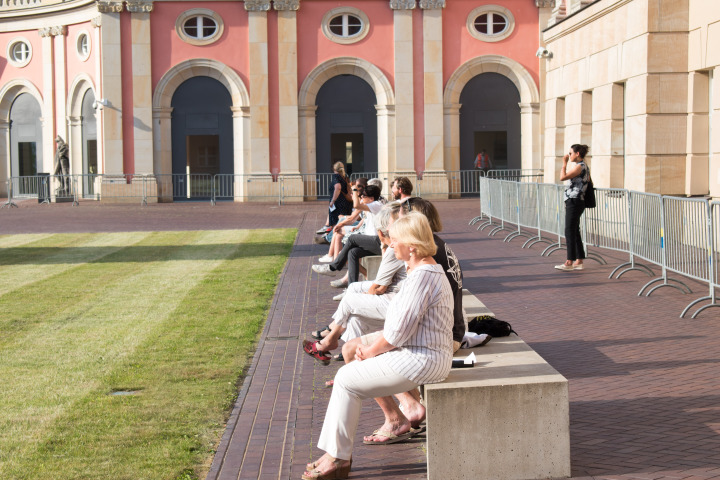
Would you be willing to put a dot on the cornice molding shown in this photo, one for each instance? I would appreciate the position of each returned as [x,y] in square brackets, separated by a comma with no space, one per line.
[432,4]
[96,22]
[403,4]
[139,6]
[544,3]
[110,7]
[257,5]
[290,5]
[53,31]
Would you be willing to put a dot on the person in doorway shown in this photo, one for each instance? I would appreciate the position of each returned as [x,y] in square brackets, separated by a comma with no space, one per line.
[483,162]
[577,172]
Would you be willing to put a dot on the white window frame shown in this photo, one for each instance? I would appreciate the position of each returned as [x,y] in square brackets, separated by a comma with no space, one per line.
[344,11]
[488,10]
[83,55]
[199,12]
[10,55]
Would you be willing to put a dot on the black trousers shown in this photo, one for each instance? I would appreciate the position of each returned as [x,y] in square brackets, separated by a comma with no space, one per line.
[356,247]
[574,208]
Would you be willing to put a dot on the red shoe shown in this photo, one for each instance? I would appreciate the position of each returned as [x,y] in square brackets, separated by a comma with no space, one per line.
[310,348]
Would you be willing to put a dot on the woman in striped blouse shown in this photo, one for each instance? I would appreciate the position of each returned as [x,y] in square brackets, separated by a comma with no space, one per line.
[415,348]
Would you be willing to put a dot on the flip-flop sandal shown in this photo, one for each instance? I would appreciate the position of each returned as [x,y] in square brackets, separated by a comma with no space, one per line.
[311,349]
[391,437]
[418,430]
[339,357]
[318,334]
[329,383]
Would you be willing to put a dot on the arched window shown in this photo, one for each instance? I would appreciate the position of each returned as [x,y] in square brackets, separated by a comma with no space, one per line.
[199,26]
[345,25]
[490,23]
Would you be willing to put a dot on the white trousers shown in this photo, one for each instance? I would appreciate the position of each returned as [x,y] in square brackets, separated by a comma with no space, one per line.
[354,383]
[361,313]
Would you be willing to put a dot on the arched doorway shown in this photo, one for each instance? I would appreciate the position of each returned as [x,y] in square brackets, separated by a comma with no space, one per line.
[88,134]
[25,141]
[490,121]
[346,125]
[202,136]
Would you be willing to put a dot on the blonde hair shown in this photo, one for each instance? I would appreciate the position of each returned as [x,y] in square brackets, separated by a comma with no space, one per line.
[414,230]
[339,167]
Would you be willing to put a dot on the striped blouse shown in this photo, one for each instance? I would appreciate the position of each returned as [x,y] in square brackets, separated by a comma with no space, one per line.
[419,323]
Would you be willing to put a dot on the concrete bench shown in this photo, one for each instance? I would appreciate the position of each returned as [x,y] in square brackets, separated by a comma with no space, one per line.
[371,264]
[506,418]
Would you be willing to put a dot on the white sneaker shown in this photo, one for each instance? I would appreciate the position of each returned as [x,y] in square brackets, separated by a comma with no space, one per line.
[340,295]
[325,259]
[567,268]
[339,283]
[578,267]
[324,269]
[323,230]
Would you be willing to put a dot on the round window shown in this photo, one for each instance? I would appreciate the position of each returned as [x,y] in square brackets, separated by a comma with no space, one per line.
[490,23]
[345,25]
[83,46]
[19,52]
[199,26]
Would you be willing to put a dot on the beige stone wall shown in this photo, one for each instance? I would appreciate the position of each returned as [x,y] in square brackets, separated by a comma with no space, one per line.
[619,69]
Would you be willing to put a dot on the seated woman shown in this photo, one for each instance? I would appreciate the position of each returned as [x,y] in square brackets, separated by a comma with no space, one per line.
[345,225]
[415,348]
[358,312]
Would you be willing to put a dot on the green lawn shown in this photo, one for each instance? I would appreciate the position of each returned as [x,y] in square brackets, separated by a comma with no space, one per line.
[171,316]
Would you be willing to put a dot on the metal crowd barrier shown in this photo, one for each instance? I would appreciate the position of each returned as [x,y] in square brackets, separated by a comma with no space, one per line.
[681,236]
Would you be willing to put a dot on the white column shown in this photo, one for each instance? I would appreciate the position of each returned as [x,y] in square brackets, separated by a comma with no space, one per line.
[529,132]
[386,133]
[433,83]
[111,81]
[96,23]
[142,86]
[60,70]
[698,138]
[259,103]
[307,134]
[4,155]
[288,85]
[404,101]
[48,108]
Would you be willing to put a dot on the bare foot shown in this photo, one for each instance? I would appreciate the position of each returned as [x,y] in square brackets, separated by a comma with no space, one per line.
[318,462]
[325,345]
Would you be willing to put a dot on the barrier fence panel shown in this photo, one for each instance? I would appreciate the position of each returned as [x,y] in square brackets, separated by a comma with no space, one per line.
[508,206]
[527,204]
[713,229]
[494,205]
[516,175]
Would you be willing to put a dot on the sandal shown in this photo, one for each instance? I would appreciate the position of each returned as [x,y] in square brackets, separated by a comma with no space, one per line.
[340,472]
[339,357]
[311,349]
[318,334]
[391,437]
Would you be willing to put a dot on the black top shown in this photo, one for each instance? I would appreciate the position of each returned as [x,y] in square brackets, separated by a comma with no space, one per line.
[343,206]
[449,262]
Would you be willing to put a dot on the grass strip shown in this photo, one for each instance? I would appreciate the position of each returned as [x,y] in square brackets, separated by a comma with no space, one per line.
[177,330]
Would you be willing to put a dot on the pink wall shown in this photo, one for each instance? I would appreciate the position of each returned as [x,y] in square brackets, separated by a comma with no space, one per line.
[314,48]
[168,49]
[33,70]
[520,46]
[75,66]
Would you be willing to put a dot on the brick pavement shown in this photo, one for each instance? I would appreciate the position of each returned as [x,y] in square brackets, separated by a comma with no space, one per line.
[643,383]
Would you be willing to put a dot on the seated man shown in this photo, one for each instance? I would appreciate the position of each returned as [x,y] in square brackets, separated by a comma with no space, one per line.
[357,246]
[362,309]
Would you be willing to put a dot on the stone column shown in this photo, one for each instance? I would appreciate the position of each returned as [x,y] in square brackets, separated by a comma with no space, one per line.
[48,107]
[433,83]
[241,124]
[530,152]
[96,23]
[544,13]
[74,141]
[697,162]
[142,86]
[451,117]
[288,85]
[60,71]
[715,133]
[162,152]
[554,138]
[608,136]
[259,106]
[404,104]
[386,134]
[307,132]
[111,86]
[4,154]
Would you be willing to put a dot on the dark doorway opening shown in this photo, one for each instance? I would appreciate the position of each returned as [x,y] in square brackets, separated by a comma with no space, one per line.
[348,148]
[346,125]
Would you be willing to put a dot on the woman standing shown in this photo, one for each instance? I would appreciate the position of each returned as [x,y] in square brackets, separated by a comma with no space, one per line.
[575,170]
[339,205]
[414,348]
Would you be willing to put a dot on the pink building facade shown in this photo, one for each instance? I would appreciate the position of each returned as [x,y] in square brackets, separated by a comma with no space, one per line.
[258,88]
